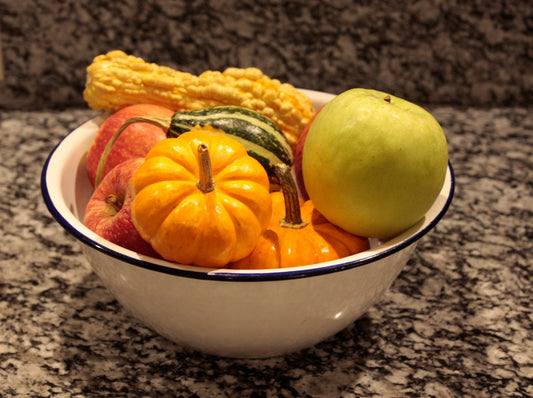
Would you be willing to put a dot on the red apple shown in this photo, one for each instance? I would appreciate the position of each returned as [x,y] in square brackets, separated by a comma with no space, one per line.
[108,212]
[298,153]
[135,141]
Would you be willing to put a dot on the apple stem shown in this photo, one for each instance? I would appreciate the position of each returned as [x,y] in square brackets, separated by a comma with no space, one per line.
[206,183]
[156,121]
[387,99]
[293,215]
[114,202]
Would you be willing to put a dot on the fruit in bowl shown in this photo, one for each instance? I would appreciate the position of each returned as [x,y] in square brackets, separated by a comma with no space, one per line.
[135,141]
[201,199]
[223,311]
[108,211]
[373,163]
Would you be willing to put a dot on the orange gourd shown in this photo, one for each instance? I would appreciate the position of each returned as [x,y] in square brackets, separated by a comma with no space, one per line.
[302,237]
[201,199]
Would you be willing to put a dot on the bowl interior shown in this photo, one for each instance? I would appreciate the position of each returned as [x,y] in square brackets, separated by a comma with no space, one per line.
[66,190]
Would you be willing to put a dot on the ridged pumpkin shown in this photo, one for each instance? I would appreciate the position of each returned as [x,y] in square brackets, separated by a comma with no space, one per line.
[302,237]
[200,199]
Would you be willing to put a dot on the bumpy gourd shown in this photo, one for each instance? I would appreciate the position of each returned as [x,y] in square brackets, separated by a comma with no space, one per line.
[201,199]
[116,79]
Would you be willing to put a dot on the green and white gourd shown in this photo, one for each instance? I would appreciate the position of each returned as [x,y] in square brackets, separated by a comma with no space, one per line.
[261,137]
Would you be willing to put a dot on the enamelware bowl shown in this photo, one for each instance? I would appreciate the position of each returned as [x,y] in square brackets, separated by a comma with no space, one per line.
[233,313]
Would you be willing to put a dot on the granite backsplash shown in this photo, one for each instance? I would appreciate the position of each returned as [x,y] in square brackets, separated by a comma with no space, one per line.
[474,53]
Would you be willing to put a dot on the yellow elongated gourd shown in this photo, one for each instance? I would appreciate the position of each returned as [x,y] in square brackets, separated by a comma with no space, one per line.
[116,79]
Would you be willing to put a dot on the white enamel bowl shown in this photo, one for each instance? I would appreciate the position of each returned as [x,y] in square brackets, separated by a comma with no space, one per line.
[228,312]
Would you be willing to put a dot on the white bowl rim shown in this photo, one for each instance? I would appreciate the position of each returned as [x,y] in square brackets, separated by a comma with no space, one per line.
[390,247]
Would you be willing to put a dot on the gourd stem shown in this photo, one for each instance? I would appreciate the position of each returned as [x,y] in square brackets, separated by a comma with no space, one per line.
[156,121]
[293,215]
[206,183]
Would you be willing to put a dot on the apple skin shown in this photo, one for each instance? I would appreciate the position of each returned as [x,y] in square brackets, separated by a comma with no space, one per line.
[298,153]
[113,222]
[373,163]
[135,141]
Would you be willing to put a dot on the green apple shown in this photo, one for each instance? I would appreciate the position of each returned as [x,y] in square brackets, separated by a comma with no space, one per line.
[373,163]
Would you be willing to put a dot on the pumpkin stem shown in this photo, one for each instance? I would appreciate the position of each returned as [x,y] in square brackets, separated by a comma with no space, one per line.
[293,215]
[156,121]
[206,183]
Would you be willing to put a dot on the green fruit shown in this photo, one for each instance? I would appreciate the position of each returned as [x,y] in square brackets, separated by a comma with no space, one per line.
[373,163]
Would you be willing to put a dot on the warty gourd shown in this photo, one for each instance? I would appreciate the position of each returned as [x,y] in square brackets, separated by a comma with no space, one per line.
[116,79]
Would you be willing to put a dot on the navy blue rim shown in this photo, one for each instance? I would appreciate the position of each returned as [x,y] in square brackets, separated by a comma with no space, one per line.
[230,276]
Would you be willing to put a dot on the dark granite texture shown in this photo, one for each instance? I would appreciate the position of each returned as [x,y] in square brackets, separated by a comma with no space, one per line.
[442,52]
[456,323]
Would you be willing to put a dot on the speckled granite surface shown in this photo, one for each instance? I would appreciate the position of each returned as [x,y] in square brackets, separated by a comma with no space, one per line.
[448,51]
[456,323]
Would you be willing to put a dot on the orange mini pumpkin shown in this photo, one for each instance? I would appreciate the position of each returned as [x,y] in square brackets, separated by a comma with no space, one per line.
[201,199]
[302,237]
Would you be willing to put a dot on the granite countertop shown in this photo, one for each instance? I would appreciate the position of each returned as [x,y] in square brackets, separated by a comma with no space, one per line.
[456,323]
[445,52]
